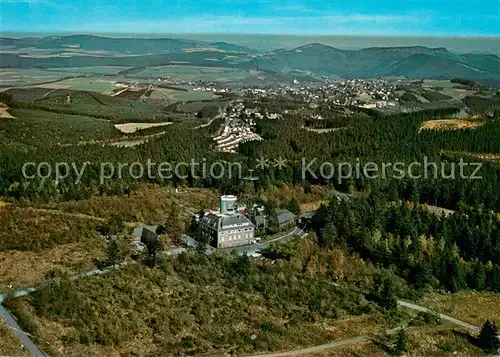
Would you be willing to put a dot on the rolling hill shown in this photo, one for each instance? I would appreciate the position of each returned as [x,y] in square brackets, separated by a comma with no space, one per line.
[313,60]
[412,62]
[119,45]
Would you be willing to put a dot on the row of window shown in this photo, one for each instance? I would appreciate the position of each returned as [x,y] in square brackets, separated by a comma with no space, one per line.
[236,237]
[237,231]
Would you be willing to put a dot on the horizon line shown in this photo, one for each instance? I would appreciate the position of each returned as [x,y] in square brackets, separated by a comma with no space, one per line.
[101,33]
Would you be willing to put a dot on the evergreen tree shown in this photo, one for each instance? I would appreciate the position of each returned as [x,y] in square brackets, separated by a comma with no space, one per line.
[480,277]
[400,347]
[488,337]
[152,246]
[293,206]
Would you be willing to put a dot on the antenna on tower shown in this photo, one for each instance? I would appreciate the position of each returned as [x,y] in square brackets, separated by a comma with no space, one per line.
[252,200]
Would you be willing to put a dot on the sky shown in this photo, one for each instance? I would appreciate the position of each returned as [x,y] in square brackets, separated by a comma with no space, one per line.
[299,17]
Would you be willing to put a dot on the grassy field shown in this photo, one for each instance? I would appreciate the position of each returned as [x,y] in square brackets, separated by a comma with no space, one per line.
[24,77]
[34,242]
[105,86]
[92,70]
[37,238]
[168,95]
[448,88]
[33,93]
[469,306]
[489,157]
[450,124]
[27,269]
[194,73]
[435,96]
[133,127]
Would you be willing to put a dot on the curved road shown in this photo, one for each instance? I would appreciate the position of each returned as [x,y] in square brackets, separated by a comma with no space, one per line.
[255,248]
[16,329]
[21,335]
[252,249]
[357,339]
[412,306]
[319,348]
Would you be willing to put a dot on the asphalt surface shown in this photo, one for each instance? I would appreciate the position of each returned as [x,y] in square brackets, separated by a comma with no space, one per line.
[256,248]
[322,347]
[412,306]
[16,329]
[250,250]
[21,335]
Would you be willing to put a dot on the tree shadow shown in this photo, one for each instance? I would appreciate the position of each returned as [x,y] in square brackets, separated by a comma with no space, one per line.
[467,336]
[384,344]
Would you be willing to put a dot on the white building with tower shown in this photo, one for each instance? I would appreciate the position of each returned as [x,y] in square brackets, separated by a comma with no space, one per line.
[227,228]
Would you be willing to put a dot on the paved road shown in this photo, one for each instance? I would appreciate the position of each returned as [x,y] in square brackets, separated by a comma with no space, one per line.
[16,329]
[412,306]
[251,249]
[21,335]
[326,346]
[255,248]
[357,339]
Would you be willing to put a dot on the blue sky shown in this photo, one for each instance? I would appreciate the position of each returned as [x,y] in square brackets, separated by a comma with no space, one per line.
[343,17]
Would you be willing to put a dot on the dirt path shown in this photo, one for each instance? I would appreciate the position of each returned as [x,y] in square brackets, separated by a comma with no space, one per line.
[453,320]
[314,349]
[357,339]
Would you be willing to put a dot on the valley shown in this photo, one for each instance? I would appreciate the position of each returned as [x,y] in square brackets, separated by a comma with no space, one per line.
[364,184]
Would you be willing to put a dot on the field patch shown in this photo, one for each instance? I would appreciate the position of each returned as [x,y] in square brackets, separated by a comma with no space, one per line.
[26,269]
[193,73]
[148,204]
[83,84]
[445,87]
[481,156]
[450,124]
[105,70]
[323,131]
[33,242]
[469,306]
[174,95]
[31,76]
[133,127]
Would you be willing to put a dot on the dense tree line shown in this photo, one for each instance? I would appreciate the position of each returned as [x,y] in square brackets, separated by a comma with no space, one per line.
[379,139]
[429,250]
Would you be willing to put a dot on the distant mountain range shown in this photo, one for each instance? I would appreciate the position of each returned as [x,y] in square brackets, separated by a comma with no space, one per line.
[312,61]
